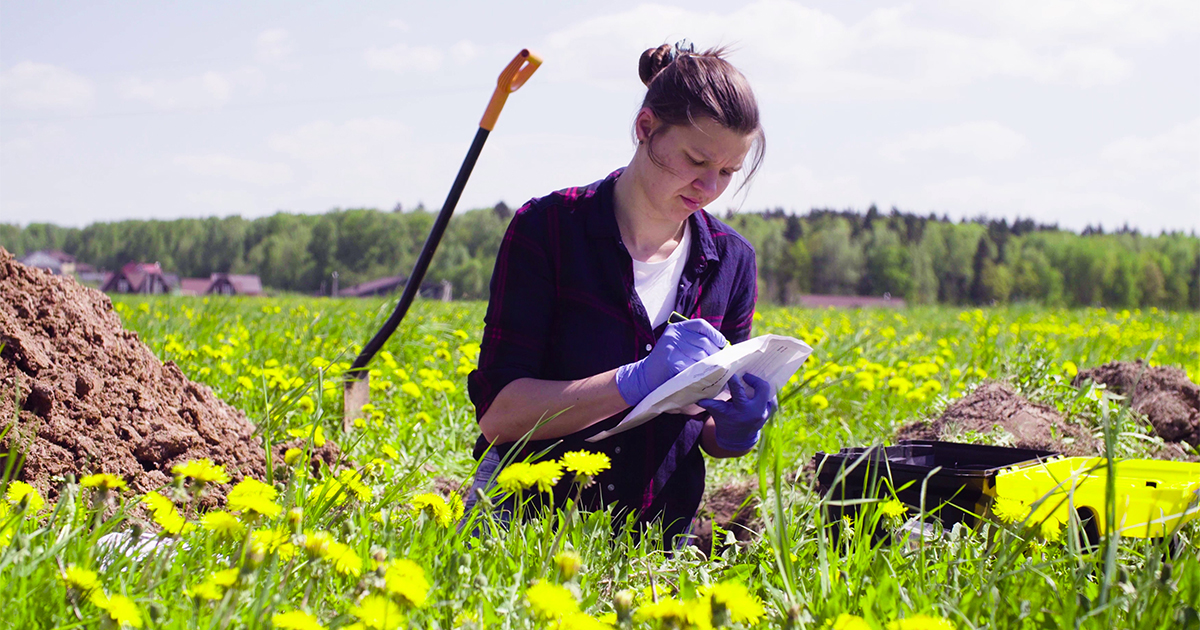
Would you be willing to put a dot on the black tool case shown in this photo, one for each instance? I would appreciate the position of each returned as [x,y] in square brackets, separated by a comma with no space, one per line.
[955,476]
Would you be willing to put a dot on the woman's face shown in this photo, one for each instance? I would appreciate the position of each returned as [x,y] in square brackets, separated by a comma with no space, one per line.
[698,162]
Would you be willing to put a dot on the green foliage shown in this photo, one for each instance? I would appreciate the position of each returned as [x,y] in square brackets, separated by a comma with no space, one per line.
[922,259]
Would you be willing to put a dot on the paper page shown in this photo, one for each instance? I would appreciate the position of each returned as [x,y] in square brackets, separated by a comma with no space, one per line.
[773,358]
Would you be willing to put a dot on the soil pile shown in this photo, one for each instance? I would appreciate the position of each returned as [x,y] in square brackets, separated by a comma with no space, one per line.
[92,398]
[1163,394]
[734,507]
[994,409]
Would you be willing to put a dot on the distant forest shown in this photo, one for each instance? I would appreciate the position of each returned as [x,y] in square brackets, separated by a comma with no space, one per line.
[924,259]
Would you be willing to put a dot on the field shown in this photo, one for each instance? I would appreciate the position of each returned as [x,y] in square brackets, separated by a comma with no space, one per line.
[379,548]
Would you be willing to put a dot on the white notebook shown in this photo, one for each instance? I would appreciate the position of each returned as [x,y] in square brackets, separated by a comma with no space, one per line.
[773,358]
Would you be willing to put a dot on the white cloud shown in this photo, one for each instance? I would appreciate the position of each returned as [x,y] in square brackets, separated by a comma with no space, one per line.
[399,25]
[273,45]
[364,162]
[210,88]
[1149,181]
[799,52]
[1083,20]
[1170,159]
[236,169]
[803,188]
[41,86]
[981,140]
[403,58]
[463,51]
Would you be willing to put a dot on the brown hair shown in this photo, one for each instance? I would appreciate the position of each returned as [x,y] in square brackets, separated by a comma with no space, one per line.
[684,85]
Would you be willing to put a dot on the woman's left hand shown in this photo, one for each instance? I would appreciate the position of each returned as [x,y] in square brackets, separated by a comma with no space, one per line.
[739,419]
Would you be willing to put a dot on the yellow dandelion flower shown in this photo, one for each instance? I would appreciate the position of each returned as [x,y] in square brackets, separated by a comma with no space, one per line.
[586,462]
[296,620]
[435,507]
[515,477]
[165,514]
[103,481]
[205,590]
[226,577]
[819,401]
[223,524]
[568,563]
[1070,369]
[344,559]
[390,452]
[406,579]
[82,580]
[457,509]
[120,609]
[19,490]
[352,479]
[202,470]
[292,456]
[551,601]
[743,607]
[317,542]
[545,475]
[921,622]
[378,613]
[315,432]
[668,610]
[252,495]
[268,541]
[893,509]
[410,388]
[1009,510]
[846,621]
[1051,528]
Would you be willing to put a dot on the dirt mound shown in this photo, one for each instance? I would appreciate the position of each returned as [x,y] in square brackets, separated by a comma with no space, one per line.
[734,508]
[995,411]
[92,398]
[1163,394]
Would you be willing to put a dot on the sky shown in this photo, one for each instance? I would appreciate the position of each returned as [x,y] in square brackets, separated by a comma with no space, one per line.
[1070,112]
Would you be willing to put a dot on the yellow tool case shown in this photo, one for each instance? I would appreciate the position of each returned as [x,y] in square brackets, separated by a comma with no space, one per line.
[1152,498]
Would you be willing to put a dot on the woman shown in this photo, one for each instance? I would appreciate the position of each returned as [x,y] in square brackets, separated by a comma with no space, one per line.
[584,283]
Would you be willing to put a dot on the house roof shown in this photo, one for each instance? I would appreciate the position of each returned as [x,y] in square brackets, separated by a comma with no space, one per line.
[136,274]
[194,286]
[42,260]
[371,287]
[243,284]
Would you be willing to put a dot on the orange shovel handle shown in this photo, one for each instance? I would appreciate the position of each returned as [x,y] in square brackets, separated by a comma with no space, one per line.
[514,76]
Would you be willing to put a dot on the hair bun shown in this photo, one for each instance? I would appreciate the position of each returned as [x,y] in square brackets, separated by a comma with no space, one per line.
[653,61]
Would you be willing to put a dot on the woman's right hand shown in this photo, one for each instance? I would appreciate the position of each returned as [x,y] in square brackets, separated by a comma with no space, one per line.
[680,345]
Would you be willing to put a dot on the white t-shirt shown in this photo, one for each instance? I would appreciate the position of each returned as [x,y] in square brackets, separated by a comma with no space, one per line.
[657,283]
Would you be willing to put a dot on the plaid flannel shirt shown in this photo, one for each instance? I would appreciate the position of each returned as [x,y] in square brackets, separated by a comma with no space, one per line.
[563,307]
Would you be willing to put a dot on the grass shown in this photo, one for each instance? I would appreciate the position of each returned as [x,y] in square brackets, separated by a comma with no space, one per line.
[280,359]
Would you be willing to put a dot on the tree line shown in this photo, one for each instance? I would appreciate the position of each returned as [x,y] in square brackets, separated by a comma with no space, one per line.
[924,259]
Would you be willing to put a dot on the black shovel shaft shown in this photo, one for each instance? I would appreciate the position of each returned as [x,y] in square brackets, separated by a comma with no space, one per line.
[357,369]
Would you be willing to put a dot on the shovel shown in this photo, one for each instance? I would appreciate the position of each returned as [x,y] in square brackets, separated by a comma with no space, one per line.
[357,383]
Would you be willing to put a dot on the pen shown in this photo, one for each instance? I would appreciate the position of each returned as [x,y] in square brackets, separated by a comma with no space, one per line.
[675,318]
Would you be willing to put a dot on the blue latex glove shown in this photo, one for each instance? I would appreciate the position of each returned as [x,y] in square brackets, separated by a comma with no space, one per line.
[740,418]
[680,345]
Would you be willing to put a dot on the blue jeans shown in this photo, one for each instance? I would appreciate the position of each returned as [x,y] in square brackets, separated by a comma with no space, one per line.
[485,482]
